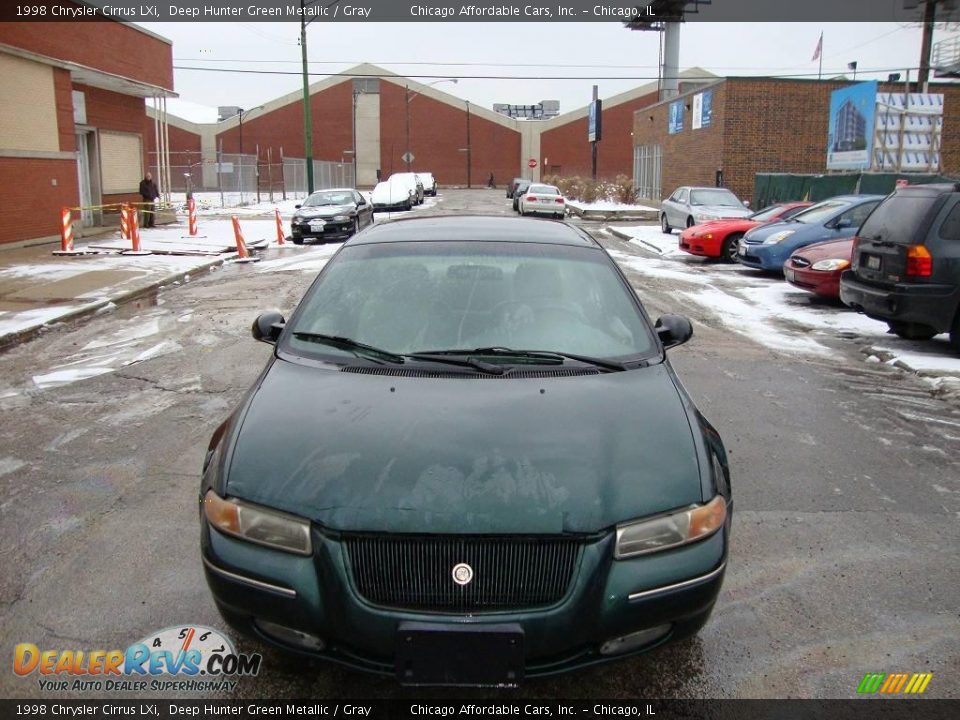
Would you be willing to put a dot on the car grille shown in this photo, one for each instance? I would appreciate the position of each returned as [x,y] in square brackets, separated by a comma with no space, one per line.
[416,572]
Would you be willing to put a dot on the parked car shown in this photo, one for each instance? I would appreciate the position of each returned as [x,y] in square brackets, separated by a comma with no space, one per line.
[768,246]
[512,187]
[817,268]
[719,238]
[905,268]
[518,192]
[429,183]
[330,215]
[394,193]
[542,200]
[689,206]
[414,180]
[369,503]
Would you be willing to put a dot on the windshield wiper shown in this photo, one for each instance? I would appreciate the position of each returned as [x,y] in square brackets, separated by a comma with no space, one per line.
[546,357]
[447,358]
[357,348]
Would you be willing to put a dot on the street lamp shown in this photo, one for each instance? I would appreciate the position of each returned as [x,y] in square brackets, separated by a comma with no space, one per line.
[307,115]
[409,98]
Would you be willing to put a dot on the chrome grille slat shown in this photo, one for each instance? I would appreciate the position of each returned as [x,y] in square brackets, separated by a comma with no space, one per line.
[415,572]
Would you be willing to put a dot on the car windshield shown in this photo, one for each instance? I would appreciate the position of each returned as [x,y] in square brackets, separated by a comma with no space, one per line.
[714,197]
[444,296]
[821,212]
[544,190]
[767,214]
[321,199]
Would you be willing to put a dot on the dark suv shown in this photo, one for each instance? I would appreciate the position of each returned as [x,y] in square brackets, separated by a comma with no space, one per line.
[906,263]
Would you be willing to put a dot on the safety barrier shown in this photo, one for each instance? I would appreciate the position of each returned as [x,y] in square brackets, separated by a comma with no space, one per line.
[66,234]
[280,239]
[244,255]
[134,226]
[192,216]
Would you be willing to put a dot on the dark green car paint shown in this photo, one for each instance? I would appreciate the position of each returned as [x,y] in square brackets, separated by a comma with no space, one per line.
[395,454]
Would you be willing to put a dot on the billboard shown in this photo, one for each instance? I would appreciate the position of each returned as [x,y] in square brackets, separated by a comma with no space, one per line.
[909,128]
[850,134]
[702,110]
[595,121]
[675,117]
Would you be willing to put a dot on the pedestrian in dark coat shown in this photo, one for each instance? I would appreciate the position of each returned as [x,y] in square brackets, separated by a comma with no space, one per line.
[149,193]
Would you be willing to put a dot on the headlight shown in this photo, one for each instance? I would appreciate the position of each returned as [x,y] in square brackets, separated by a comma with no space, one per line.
[258,524]
[829,265]
[701,217]
[341,218]
[778,237]
[669,531]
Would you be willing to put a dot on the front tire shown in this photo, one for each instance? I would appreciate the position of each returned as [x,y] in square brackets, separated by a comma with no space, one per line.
[955,334]
[356,226]
[728,252]
[690,222]
[297,241]
[665,225]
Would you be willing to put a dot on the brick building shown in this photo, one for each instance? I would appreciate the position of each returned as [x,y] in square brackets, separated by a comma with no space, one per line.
[73,119]
[757,125]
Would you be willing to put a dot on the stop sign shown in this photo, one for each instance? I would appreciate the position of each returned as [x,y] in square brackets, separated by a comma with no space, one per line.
[532,163]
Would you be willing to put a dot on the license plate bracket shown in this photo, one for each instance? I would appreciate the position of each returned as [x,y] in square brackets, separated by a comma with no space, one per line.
[459,654]
[873,262]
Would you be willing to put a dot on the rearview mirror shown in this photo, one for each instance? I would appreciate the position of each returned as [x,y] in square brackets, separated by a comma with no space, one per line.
[673,330]
[267,327]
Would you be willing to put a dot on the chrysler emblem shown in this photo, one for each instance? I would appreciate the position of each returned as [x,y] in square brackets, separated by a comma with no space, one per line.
[462,574]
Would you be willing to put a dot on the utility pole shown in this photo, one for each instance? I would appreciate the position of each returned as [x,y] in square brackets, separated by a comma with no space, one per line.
[307,115]
[929,16]
[469,149]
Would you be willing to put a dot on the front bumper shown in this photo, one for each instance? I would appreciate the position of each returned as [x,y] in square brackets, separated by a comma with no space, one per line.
[698,244]
[607,599]
[760,256]
[330,231]
[928,304]
[819,282]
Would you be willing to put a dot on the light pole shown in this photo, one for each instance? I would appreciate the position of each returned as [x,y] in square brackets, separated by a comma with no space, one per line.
[469,148]
[409,98]
[307,115]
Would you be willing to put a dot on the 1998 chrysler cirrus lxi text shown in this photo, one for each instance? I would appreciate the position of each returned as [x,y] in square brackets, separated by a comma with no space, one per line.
[467,461]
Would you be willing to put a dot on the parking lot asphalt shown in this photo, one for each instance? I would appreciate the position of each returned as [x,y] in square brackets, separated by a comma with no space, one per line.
[845,478]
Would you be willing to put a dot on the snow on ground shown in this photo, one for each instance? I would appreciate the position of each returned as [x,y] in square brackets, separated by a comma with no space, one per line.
[312,259]
[776,314]
[609,206]
[17,322]
[651,237]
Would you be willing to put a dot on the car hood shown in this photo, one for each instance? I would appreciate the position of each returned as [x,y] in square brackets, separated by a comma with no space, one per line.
[323,211]
[839,249]
[367,452]
[726,226]
[723,211]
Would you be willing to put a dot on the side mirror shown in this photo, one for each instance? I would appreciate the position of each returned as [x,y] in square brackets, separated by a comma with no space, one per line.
[267,327]
[673,330]
[746,203]
[843,224]
[361,201]
[297,207]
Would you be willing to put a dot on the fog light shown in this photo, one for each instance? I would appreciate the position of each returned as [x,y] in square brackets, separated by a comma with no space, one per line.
[291,636]
[626,643]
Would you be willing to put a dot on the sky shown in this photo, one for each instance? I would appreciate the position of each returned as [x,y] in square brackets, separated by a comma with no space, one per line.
[518,57]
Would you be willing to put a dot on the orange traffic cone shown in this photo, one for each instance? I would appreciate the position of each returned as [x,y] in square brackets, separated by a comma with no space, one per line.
[66,234]
[124,222]
[280,239]
[243,255]
[192,216]
[137,249]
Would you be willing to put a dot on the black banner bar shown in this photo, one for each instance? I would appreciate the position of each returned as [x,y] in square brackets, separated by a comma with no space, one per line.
[542,11]
[508,707]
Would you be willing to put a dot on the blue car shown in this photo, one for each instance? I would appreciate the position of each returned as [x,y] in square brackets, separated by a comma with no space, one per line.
[767,247]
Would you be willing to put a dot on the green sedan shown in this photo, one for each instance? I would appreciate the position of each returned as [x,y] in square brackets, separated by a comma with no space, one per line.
[468,461]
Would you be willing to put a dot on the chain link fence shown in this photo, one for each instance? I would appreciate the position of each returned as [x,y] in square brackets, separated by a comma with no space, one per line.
[238,180]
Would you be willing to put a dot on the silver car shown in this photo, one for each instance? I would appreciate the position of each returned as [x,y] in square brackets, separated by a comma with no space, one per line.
[689,206]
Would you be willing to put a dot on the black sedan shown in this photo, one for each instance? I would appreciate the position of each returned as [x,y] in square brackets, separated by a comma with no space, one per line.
[468,443]
[331,215]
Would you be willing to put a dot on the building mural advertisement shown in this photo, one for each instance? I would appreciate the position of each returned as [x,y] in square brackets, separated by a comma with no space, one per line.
[850,139]
[675,118]
[702,110]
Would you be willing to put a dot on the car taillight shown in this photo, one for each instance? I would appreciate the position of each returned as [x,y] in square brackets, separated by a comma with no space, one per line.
[531,198]
[559,200]
[919,262]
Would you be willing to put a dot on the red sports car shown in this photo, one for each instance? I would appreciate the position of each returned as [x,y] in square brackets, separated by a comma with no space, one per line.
[817,267]
[718,238]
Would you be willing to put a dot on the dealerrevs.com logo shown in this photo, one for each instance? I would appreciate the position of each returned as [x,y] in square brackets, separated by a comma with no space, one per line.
[182,658]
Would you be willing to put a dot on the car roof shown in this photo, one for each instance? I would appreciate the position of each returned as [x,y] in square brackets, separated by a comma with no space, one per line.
[332,190]
[852,198]
[929,189]
[477,228]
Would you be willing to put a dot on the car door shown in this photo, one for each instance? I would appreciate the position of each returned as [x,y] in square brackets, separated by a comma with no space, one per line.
[849,221]
[364,209]
[681,208]
[668,206]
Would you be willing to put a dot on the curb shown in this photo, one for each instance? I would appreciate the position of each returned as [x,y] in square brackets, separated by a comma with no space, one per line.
[20,336]
[639,215]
